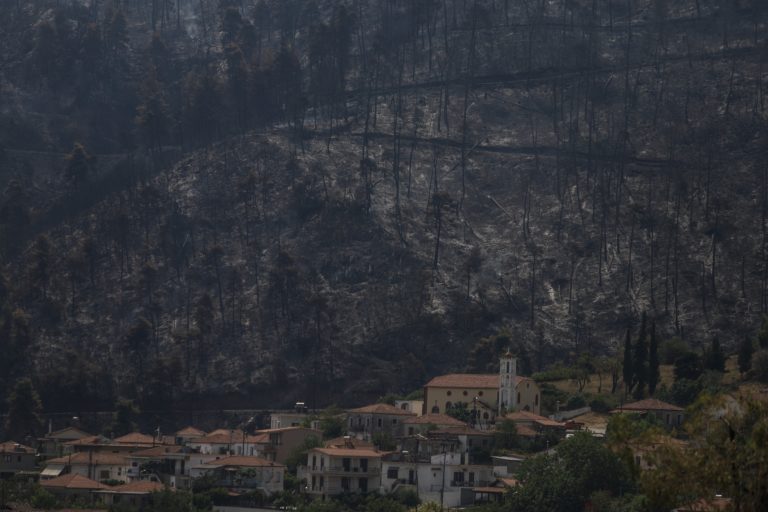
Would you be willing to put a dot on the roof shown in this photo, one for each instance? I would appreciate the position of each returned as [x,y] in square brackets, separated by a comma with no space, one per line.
[465,380]
[62,433]
[471,380]
[525,416]
[288,429]
[243,461]
[158,451]
[347,442]
[461,431]
[434,419]
[137,487]
[134,438]
[223,436]
[381,409]
[525,431]
[349,452]
[14,447]
[490,490]
[72,481]
[99,458]
[189,432]
[649,404]
[90,440]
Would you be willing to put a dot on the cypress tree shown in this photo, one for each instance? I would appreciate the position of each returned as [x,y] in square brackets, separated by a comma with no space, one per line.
[653,362]
[715,358]
[746,349]
[641,361]
[627,366]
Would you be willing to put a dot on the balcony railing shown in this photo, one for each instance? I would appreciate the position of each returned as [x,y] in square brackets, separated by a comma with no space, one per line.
[346,471]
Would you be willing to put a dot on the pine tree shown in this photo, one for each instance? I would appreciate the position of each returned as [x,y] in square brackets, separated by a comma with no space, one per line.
[653,362]
[746,349]
[640,361]
[628,368]
[24,410]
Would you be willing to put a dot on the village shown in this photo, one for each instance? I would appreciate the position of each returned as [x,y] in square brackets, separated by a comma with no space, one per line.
[460,445]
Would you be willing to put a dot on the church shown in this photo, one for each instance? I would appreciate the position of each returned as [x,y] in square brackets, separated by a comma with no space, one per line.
[486,396]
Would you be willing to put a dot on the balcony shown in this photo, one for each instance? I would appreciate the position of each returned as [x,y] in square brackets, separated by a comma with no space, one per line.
[348,471]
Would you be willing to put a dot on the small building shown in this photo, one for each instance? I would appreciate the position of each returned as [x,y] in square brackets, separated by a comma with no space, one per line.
[72,486]
[334,471]
[277,444]
[376,418]
[486,395]
[424,423]
[414,406]
[296,418]
[167,464]
[538,424]
[100,466]
[187,434]
[227,442]
[16,458]
[667,414]
[244,473]
[135,494]
[54,444]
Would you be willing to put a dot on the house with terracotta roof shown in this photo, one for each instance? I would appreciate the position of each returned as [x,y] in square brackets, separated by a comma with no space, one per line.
[244,473]
[72,486]
[527,421]
[100,466]
[53,444]
[16,458]
[446,478]
[376,418]
[424,423]
[188,434]
[168,464]
[279,443]
[484,395]
[134,494]
[667,414]
[228,442]
[334,471]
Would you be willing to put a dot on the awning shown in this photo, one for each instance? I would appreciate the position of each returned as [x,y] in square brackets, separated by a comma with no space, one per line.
[52,471]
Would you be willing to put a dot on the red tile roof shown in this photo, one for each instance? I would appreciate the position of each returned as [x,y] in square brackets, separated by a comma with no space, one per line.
[381,409]
[14,447]
[72,481]
[157,451]
[525,431]
[90,440]
[529,417]
[471,380]
[223,436]
[243,461]
[84,458]
[135,438]
[189,432]
[649,404]
[349,452]
[61,434]
[342,442]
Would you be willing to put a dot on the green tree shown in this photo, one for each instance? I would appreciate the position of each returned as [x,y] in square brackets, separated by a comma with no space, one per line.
[653,362]
[714,358]
[24,408]
[746,349]
[760,365]
[640,360]
[124,418]
[762,334]
[628,368]
[688,366]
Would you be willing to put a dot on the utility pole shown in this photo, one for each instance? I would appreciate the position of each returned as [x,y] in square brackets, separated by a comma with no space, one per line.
[442,486]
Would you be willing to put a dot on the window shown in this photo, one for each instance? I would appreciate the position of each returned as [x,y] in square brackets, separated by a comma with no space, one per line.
[448,393]
[363,465]
[392,473]
[464,392]
[322,482]
[362,484]
[479,393]
[404,406]
[314,461]
[7,458]
[346,463]
[313,482]
[508,366]
[394,421]
[471,478]
[536,400]
[486,415]
[448,405]
[435,410]
[458,477]
[518,397]
[410,431]
[104,474]
[379,422]
[345,483]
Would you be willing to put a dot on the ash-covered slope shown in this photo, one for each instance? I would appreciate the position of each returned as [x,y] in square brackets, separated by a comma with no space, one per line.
[552,178]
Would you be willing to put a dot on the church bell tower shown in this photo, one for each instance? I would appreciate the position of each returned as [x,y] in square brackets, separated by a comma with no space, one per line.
[507,374]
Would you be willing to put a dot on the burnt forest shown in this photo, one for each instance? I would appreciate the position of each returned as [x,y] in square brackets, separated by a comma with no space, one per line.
[229,203]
